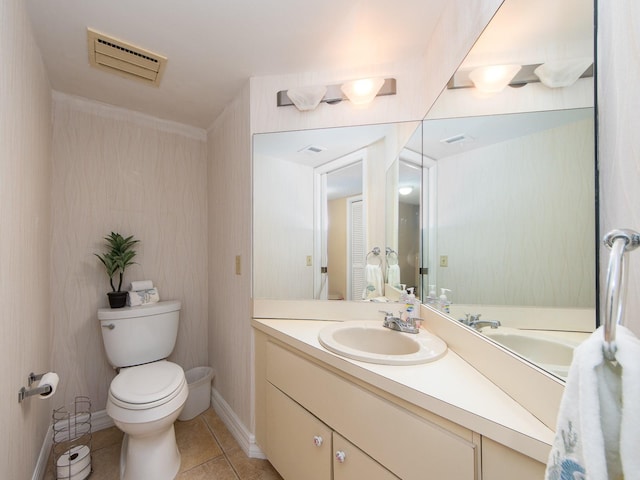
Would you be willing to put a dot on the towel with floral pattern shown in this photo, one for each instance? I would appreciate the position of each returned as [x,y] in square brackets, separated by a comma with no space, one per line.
[598,428]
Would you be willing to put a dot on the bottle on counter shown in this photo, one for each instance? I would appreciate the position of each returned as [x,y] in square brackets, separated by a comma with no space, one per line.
[444,302]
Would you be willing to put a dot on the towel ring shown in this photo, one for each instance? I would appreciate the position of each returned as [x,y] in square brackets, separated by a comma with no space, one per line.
[392,256]
[376,255]
[620,242]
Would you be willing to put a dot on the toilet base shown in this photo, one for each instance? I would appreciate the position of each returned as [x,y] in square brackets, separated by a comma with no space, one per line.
[150,457]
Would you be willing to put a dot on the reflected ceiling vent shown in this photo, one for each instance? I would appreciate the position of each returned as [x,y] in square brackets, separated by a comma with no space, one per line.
[121,58]
[312,149]
[456,139]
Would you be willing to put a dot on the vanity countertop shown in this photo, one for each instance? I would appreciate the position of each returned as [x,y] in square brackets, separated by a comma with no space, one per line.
[448,387]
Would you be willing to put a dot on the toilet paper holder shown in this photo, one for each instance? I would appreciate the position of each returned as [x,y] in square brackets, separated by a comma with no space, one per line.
[43,390]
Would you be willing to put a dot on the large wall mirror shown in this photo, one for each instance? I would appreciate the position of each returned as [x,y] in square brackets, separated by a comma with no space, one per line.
[319,210]
[513,204]
[492,196]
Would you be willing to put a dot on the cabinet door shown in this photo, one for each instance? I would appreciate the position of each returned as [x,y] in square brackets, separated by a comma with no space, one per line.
[351,463]
[502,463]
[298,444]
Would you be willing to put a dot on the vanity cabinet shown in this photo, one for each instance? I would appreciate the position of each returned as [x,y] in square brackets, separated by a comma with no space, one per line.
[301,446]
[503,463]
[381,438]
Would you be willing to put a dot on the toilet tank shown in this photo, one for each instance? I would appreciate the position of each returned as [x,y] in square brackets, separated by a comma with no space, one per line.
[136,335]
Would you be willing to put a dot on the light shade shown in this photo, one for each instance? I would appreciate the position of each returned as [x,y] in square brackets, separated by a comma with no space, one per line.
[493,78]
[405,190]
[564,73]
[360,92]
[306,98]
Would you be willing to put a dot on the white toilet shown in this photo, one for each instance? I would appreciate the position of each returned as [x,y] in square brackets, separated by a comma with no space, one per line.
[148,394]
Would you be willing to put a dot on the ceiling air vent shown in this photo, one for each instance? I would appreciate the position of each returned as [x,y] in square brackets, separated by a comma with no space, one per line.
[126,60]
[456,139]
[312,149]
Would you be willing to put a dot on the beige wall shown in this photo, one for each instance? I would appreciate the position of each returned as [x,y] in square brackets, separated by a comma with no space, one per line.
[115,170]
[229,218]
[619,124]
[25,168]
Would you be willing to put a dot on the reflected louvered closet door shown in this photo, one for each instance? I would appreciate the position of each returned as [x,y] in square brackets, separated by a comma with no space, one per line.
[356,239]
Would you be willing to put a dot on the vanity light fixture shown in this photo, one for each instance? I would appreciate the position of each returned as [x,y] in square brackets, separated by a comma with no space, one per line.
[358,92]
[562,73]
[493,78]
[405,190]
[363,91]
[306,98]
[555,74]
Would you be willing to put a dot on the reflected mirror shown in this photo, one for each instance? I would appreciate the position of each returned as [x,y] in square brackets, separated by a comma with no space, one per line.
[513,232]
[403,222]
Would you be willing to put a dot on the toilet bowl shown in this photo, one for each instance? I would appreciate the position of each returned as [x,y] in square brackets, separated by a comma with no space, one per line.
[147,395]
[144,402]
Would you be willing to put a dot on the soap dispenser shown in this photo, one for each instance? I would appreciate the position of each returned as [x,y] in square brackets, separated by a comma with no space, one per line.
[431,297]
[403,293]
[413,304]
[445,304]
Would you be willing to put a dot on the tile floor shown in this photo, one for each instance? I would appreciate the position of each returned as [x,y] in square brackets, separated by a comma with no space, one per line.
[208,451]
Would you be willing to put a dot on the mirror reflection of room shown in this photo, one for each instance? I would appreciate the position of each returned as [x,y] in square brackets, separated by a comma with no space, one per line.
[506,210]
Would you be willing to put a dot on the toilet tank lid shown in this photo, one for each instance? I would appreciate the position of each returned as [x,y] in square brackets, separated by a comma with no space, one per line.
[139,311]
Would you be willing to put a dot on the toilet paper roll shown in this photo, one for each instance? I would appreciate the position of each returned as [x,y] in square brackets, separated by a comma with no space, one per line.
[51,379]
[74,464]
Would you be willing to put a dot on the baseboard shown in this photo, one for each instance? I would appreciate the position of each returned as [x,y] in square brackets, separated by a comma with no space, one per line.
[243,436]
[99,421]
[41,465]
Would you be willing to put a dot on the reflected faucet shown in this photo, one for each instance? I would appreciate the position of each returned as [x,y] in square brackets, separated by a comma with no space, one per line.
[396,323]
[474,322]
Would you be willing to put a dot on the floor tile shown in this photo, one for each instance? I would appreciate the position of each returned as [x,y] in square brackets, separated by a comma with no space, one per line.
[106,438]
[222,434]
[106,463]
[216,469]
[251,468]
[196,443]
[207,448]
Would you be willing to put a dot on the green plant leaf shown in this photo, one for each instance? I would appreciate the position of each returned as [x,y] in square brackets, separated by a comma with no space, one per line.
[119,255]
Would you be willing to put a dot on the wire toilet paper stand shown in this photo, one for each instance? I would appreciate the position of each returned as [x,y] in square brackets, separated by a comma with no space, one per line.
[72,440]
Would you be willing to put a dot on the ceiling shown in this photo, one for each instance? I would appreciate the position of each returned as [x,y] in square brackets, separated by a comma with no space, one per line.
[214,46]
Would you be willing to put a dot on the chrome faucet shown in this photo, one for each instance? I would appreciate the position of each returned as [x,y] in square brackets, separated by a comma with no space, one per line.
[474,322]
[396,323]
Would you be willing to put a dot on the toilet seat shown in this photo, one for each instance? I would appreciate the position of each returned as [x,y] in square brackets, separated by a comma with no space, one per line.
[147,386]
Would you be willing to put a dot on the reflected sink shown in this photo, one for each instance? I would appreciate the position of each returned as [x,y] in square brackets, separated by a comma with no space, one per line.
[551,353]
[369,341]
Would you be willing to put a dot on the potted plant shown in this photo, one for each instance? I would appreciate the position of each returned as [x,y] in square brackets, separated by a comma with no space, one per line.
[118,256]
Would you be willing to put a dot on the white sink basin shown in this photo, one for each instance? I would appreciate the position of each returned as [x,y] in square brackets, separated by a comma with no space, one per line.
[554,354]
[369,341]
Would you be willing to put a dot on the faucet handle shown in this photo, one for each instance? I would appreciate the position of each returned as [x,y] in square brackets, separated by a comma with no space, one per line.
[386,314]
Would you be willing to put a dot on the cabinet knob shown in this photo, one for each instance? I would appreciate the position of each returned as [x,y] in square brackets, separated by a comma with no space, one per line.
[317,440]
[340,456]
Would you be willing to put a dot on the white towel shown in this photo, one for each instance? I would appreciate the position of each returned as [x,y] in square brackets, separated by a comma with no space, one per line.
[374,281]
[393,275]
[141,285]
[143,297]
[597,433]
